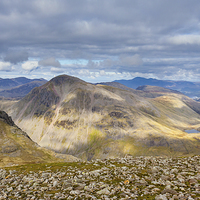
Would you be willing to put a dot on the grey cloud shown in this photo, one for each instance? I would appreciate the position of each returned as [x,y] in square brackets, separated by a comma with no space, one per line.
[121,63]
[16,56]
[50,62]
[134,60]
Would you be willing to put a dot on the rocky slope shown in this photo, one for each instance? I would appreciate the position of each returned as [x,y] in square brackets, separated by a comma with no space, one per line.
[69,115]
[159,178]
[16,147]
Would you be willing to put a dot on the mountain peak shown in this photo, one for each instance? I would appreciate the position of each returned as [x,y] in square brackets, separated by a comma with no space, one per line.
[58,80]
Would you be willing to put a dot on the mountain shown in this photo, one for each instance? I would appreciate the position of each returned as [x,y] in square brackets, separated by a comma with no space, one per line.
[144,91]
[90,121]
[22,90]
[191,89]
[18,87]
[13,82]
[16,147]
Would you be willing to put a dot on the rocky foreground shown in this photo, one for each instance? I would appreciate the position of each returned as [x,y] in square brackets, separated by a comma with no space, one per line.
[119,178]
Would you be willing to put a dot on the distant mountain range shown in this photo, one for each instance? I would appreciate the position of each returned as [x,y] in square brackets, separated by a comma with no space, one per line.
[18,87]
[191,89]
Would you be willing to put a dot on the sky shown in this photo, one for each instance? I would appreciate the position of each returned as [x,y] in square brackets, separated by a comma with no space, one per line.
[100,40]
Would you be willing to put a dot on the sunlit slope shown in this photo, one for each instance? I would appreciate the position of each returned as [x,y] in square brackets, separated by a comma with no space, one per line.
[17,148]
[69,115]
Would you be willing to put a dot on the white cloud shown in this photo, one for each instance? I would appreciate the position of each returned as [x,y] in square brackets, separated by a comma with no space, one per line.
[84,72]
[30,65]
[183,74]
[57,70]
[5,66]
[185,39]
[102,73]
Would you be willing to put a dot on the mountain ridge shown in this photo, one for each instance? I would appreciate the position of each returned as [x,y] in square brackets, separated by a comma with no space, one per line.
[191,89]
[8,83]
[18,87]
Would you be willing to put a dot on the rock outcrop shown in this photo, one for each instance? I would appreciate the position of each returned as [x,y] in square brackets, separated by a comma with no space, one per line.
[7,119]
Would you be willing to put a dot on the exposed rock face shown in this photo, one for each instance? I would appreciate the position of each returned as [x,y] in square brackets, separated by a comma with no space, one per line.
[69,115]
[7,119]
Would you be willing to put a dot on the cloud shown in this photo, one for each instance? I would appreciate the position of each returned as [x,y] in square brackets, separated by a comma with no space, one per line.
[16,56]
[134,60]
[5,66]
[119,64]
[92,64]
[102,73]
[30,65]
[57,70]
[84,72]
[185,39]
[114,36]
[50,62]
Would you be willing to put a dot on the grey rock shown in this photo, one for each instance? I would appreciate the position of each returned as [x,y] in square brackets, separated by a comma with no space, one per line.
[161,197]
[104,191]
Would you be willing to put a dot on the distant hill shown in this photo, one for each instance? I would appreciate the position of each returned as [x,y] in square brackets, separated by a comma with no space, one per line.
[191,89]
[154,89]
[18,87]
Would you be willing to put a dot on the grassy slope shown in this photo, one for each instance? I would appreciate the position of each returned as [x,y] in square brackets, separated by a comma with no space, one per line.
[16,148]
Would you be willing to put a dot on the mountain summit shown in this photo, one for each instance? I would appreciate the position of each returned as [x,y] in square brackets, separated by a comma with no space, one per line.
[90,121]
